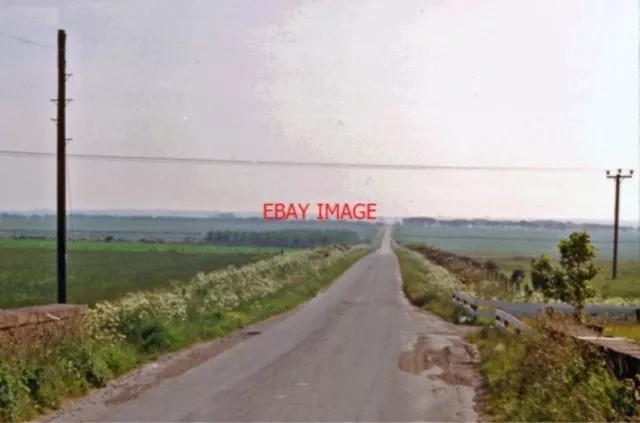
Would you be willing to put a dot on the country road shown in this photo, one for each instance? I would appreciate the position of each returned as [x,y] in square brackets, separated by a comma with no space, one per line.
[357,352]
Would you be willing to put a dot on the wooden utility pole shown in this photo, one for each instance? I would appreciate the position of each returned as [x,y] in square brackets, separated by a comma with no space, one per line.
[61,169]
[618,177]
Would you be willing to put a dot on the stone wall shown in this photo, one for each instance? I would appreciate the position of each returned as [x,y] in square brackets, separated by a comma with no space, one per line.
[28,319]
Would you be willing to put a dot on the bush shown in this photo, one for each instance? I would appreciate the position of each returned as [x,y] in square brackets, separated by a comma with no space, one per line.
[548,377]
[12,388]
[39,382]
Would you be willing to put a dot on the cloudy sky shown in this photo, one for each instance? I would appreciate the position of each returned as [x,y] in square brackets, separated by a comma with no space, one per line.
[532,83]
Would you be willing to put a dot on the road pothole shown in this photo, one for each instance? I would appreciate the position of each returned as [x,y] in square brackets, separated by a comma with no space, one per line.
[416,360]
[454,360]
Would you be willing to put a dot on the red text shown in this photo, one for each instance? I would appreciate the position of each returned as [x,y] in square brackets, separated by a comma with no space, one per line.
[324,211]
[284,211]
[346,211]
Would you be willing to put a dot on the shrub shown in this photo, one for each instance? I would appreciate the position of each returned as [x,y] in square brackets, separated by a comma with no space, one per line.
[570,281]
[12,388]
[548,376]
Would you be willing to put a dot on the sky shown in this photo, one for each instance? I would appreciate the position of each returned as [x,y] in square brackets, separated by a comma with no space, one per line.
[528,83]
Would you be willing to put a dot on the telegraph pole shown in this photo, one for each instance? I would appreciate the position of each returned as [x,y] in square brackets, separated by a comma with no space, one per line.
[618,177]
[62,168]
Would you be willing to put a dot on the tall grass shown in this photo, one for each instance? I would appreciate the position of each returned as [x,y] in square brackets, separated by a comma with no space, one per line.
[546,376]
[429,286]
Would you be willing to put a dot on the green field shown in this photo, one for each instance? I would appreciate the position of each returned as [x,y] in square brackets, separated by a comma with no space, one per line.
[144,252]
[130,246]
[28,274]
[514,242]
[169,229]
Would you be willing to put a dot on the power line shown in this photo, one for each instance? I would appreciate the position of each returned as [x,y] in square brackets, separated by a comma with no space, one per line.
[25,40]
[285,163]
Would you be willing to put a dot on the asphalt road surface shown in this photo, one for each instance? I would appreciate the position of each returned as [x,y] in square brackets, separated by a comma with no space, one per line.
[357,352]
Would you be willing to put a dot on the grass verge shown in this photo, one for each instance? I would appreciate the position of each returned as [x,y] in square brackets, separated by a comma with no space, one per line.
[548,377]
[37,374]
[428,289]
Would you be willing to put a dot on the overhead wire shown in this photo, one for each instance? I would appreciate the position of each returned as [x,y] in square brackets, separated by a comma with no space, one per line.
[287,163]
[26,40]
[278,163]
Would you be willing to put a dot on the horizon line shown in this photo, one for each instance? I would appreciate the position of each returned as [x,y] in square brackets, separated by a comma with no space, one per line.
[124,211]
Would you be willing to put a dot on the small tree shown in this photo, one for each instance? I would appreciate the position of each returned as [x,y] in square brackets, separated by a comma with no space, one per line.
[568,282]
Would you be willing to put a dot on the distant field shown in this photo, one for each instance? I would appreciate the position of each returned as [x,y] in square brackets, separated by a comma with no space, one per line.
[514,242]
[130,246]
[100,270]
[166,228]
[28,275]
